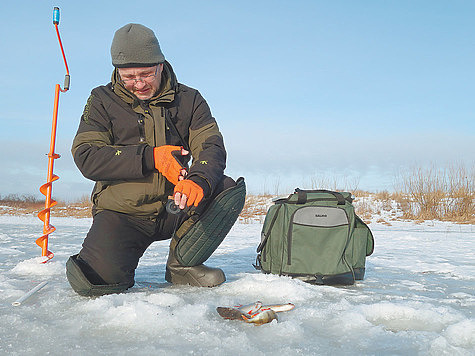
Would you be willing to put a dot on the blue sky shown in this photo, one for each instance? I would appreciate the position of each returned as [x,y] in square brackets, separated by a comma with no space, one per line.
[305,92]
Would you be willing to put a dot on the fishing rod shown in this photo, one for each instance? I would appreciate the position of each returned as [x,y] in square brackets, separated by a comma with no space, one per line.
[46,189]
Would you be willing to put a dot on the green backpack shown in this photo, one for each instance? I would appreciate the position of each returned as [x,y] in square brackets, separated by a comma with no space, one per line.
[315,235]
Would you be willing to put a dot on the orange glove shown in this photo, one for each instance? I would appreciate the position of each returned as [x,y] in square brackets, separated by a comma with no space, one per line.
[166,162]
[187,191]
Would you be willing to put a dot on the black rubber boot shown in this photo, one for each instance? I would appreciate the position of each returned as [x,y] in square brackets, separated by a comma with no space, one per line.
[87,283]
[198,276]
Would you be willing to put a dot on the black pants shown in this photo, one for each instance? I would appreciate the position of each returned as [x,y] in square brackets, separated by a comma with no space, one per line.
[116,241]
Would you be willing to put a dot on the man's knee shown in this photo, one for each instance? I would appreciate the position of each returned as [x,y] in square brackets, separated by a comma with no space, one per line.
[200,235]
[109,267]
[226,183]
[86,282]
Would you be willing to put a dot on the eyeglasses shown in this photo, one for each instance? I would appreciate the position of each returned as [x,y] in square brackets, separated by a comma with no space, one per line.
[145,78]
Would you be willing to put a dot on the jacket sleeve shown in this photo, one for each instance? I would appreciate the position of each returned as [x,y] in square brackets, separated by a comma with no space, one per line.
[94,151]
[207,147]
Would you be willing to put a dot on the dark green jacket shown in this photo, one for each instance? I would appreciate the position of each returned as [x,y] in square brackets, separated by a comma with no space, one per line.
[114,144]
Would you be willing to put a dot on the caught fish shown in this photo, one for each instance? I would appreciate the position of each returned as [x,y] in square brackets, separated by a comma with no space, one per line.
[230,313]
[262,316]
[249,309]
[255,313]
[278,308]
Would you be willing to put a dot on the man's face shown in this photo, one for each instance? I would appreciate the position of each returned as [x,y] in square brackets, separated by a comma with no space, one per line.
[143,82]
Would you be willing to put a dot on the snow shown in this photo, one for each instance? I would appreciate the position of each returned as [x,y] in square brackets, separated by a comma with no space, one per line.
[418,298]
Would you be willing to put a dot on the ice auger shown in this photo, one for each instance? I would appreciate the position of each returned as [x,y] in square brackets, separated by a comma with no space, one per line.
[46,188]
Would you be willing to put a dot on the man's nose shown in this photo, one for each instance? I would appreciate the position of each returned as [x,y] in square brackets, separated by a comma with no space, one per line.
[139,83]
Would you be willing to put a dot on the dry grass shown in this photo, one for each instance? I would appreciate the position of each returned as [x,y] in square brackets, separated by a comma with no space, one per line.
[423,194]
[339,184]
[439,194]
[255,208]
[364,207]
[29,205]
[13,204]
[361,193]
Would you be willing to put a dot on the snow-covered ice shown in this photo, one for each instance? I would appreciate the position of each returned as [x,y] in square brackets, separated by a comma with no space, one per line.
[418,298]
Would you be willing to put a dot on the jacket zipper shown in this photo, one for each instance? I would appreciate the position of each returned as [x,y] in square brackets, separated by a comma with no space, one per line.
[141,123]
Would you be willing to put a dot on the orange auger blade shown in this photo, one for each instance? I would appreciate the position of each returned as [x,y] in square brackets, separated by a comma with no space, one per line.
[44,215]
[45,189]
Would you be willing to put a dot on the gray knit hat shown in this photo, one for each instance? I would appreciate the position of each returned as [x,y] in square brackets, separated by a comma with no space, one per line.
[135,45]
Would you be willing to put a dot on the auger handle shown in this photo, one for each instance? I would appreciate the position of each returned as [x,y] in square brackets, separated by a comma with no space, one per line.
[56,16]
[67,78]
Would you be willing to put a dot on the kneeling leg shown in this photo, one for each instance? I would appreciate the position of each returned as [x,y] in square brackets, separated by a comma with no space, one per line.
[109,256]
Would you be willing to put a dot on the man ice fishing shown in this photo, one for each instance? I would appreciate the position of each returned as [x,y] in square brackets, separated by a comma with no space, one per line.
[136,139]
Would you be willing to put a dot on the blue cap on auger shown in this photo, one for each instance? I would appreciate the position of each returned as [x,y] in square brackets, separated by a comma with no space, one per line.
[56,16]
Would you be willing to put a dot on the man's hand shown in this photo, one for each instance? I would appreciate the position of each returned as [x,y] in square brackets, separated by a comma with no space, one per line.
[167,164]
[187,193]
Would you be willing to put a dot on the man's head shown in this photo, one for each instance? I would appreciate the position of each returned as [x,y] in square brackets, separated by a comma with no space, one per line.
[138,58]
